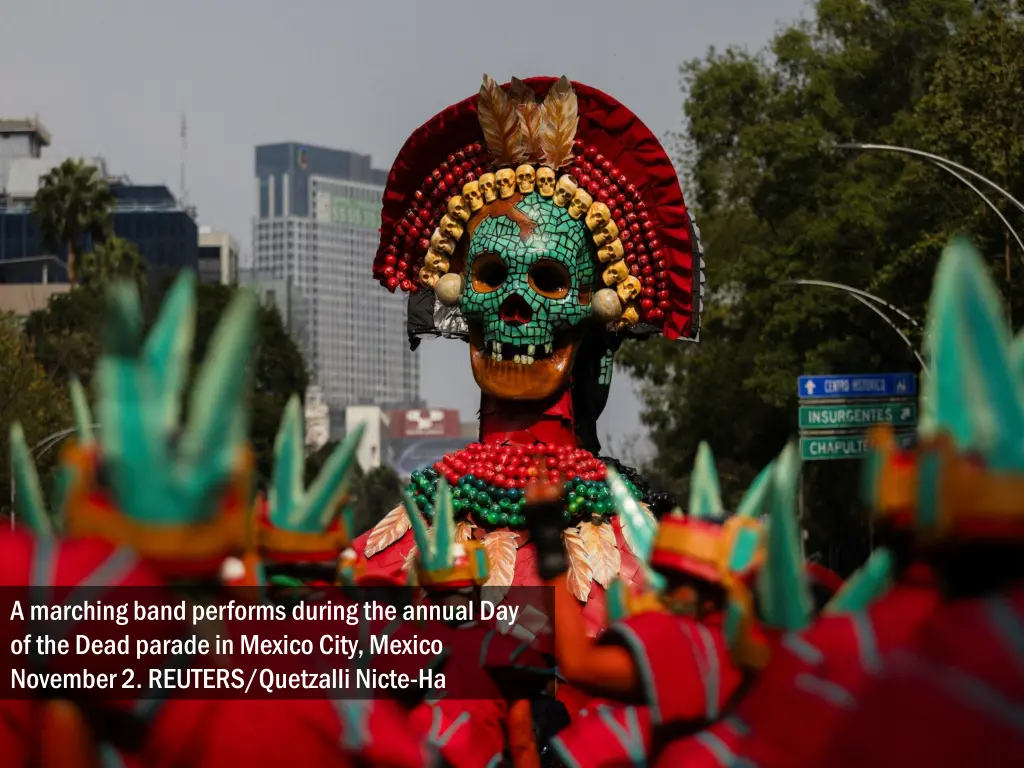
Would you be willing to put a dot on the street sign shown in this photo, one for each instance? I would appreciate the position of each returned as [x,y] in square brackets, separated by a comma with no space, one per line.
[818,417]
[857,385]
[835,447]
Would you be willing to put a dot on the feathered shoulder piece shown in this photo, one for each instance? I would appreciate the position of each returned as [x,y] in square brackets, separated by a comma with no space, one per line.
[519,130]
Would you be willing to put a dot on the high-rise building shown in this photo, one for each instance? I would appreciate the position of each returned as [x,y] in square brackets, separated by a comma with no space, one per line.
[218,257]
[317,222]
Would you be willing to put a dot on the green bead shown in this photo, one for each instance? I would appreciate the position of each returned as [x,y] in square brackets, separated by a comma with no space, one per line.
[515,493]
[491,518]
[503,519]
[574,507]
[516,521]
[495,509]
[579,500]
[566,515]
[467,479]
[480,484]
[505,504]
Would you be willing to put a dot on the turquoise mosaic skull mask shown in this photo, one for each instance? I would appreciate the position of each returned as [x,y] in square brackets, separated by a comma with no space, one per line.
[529,278]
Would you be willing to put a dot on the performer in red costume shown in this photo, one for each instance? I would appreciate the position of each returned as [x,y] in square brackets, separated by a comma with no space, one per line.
[140,509]
[928,673]
[543,223]
[675,652]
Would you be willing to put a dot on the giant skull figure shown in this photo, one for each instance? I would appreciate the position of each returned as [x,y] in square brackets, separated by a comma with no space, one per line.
[531,273]
[540,307]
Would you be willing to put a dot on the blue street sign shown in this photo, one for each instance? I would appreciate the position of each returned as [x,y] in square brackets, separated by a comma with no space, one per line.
[857,385]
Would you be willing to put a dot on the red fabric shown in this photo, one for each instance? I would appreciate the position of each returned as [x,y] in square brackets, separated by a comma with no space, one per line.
[509,422]
[684,664]
[604,123]
[813,680]
[606,735]
[468,734]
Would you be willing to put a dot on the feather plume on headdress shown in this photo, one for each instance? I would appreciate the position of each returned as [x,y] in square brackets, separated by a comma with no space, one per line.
[529,119]
[499,120]
[559,120]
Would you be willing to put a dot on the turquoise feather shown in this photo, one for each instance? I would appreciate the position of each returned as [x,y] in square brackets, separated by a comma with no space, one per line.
[755,500]
[870,582]
[973,392]
[82,413]
[293,507]
[782,582]
[28,498]
[168,348]
[434,544]
[705,492]
[638,528]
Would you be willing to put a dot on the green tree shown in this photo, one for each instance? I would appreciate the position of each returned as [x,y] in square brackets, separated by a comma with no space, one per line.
[114,259]
[29,397]
[776,202]
[73,200]
[66,336]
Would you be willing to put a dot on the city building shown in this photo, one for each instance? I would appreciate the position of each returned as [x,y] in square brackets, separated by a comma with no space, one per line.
[291,303]
[316,224]
[161,228]
[218,257]
[25,298]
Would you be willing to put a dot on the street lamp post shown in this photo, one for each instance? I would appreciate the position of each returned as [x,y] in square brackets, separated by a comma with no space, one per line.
[873,302]
[41,448]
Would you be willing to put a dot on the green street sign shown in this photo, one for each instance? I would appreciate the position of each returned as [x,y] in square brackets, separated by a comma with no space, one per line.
[836,447]
[860,416]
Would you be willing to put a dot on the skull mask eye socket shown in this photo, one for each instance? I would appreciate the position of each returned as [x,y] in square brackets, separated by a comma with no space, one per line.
[550,279]
[489,273]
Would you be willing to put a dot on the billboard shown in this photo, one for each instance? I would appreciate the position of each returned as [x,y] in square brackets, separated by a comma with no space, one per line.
[425,422]
[418,453]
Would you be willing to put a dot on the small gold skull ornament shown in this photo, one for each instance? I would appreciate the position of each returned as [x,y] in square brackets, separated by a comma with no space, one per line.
[630,317]
[471,194]
[506,182]
[525,179]
[428,277]
[598,216]
[607,235]
[629,289]
[451,228]
[615,273]
[545,181]
[487,188]
[441,243]
[612,251]
[580,204]
[565,190]
[435,262]
[458,209]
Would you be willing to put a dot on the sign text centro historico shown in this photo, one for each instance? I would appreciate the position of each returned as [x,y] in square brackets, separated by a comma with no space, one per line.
[857,385]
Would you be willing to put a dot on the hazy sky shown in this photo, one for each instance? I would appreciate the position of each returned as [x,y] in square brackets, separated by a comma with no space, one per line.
[112,77]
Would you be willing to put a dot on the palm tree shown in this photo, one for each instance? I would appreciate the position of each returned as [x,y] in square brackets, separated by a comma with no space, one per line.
[73,200]
[113,259]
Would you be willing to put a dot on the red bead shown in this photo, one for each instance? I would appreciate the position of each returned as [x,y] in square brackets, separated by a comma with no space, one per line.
[641,206]
[410,215]
[406,285]
[627,206]
[641,248]
[631,190]
[646,304]
[477,147]
[469,177]
[660,274]
[417,196]
[593,188]
[458,157]
[577,144]
[443,168]
[665,305]
[414,232]
[642,214]
[647,292]
[648,270]
[635,227]
[393,283]
[458,171]
[631,217]
[583,180]
[606,166]
[620,200]
[628,245]
[630,258]
[449,179]
[592,152]
[614,172]
[657,254]
[598,160]
[662,295]
[634,270]
[466,166]
[436,175]
[403,265]
[648,226]
[442,187]
[424,215]
[428,183]
[654,244]
[620,223]
[500,480]
[587,167]
[643,259]
[423,244]
[602,195]
[389,259]
[389,270]
[622,181]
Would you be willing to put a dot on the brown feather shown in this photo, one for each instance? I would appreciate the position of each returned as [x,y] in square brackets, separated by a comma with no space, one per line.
[520,92]
[580,575]
[410,559]
[464,531]
[500,123]
[529,129]
[605,559]
[389,530]
[501,558]
[559,120]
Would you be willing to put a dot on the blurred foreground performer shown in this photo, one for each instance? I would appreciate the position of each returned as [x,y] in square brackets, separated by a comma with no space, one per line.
[145,502]
[452,568]
[683,655]
[543,223]
[930,671]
